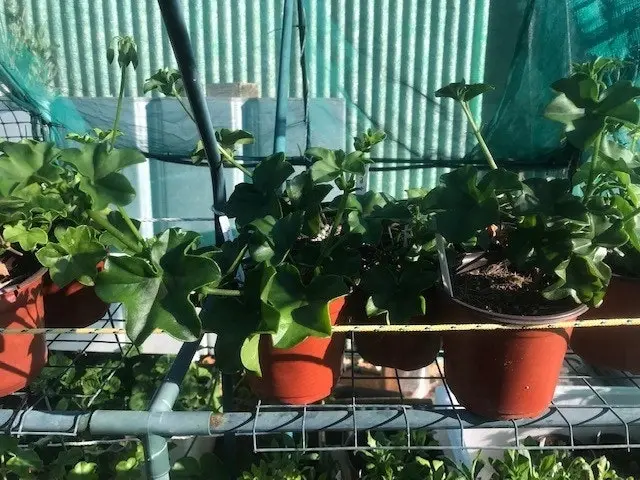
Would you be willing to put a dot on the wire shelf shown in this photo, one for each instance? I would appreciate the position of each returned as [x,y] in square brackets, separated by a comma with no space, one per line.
[592,408]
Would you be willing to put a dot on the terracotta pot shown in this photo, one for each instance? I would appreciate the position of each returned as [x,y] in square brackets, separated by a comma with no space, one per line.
[403,350]
[612,347]
[75,305]
[504,374]
[21,356]
[305,373]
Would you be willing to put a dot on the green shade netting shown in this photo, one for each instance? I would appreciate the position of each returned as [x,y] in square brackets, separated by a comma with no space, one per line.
[550,34]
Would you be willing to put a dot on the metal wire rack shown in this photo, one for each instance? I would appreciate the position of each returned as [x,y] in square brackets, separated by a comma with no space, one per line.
[590,405]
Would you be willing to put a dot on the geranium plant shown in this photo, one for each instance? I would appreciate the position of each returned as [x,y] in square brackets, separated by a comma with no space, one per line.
[67,206]
[602,119]
[302,252]
[540,225]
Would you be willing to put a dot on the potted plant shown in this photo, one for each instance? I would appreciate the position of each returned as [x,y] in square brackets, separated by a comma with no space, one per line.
[21,306]
[302,258]
[399,266]
[76,304]
[602,119]
[546,250]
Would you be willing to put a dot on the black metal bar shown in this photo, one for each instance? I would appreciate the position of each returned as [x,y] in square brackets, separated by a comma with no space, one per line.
[302,38]
[181,43]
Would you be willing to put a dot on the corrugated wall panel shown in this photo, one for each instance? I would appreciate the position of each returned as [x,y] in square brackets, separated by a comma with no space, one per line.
[384,57]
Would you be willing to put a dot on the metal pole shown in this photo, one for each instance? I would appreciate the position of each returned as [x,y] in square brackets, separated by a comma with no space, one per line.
[179,36]
[155,446]
[324,418]
[302,37]
[284,76]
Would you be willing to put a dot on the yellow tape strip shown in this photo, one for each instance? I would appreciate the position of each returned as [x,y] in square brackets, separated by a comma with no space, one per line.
[615,322]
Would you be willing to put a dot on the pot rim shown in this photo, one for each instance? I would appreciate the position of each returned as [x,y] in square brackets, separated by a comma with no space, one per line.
[523,319]
[37,275]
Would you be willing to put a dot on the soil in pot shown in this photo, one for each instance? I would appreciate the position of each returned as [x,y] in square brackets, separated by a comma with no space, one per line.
[402,350]
[23,356]
[305,373]
[75,305]
[612,347]
[504,374]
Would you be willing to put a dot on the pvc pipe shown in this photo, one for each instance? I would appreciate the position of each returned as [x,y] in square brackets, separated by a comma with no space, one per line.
[168,391]
[155,447]
[324,418]
[284,77]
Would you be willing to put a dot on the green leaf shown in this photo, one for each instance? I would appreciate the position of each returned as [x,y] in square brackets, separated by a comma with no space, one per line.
[99,166]
[230,138]
[271,173]
[300,310]
[28,238]
[83,471]
[581,89]
[248,203]
[250,355]
[397,295]
[416,192]
[116,219]
[24,463]
[8,444]
[304,193]
[620,93]
[186,467]
[234,319]
[563,110]
[27,162]
[631,226]
[356,162]
[307,196]
[74,256]
[156,294]
[585,130]
[168,81]
[325,167]
[463,92]
[500,181]
[272,239]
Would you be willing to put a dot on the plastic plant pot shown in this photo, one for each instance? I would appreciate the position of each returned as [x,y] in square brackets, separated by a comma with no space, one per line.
[504,374]
[23,356]
[75,305]
[305,373]
[612,347]
[402,350]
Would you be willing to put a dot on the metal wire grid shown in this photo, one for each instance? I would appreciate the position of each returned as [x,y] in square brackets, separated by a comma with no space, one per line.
[16,123]
[584,412]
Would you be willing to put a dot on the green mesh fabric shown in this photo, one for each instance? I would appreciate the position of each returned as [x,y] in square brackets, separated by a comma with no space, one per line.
[554,34]
[384,59]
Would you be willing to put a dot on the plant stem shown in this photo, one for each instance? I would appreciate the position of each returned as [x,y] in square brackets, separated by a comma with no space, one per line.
[233,162]
[223,152]
[104,223]
[592,168]
[630,215]
[478,135]
[221,292]
[9,248]
[184,107]
[336,222]
[132,227]
[123,74]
